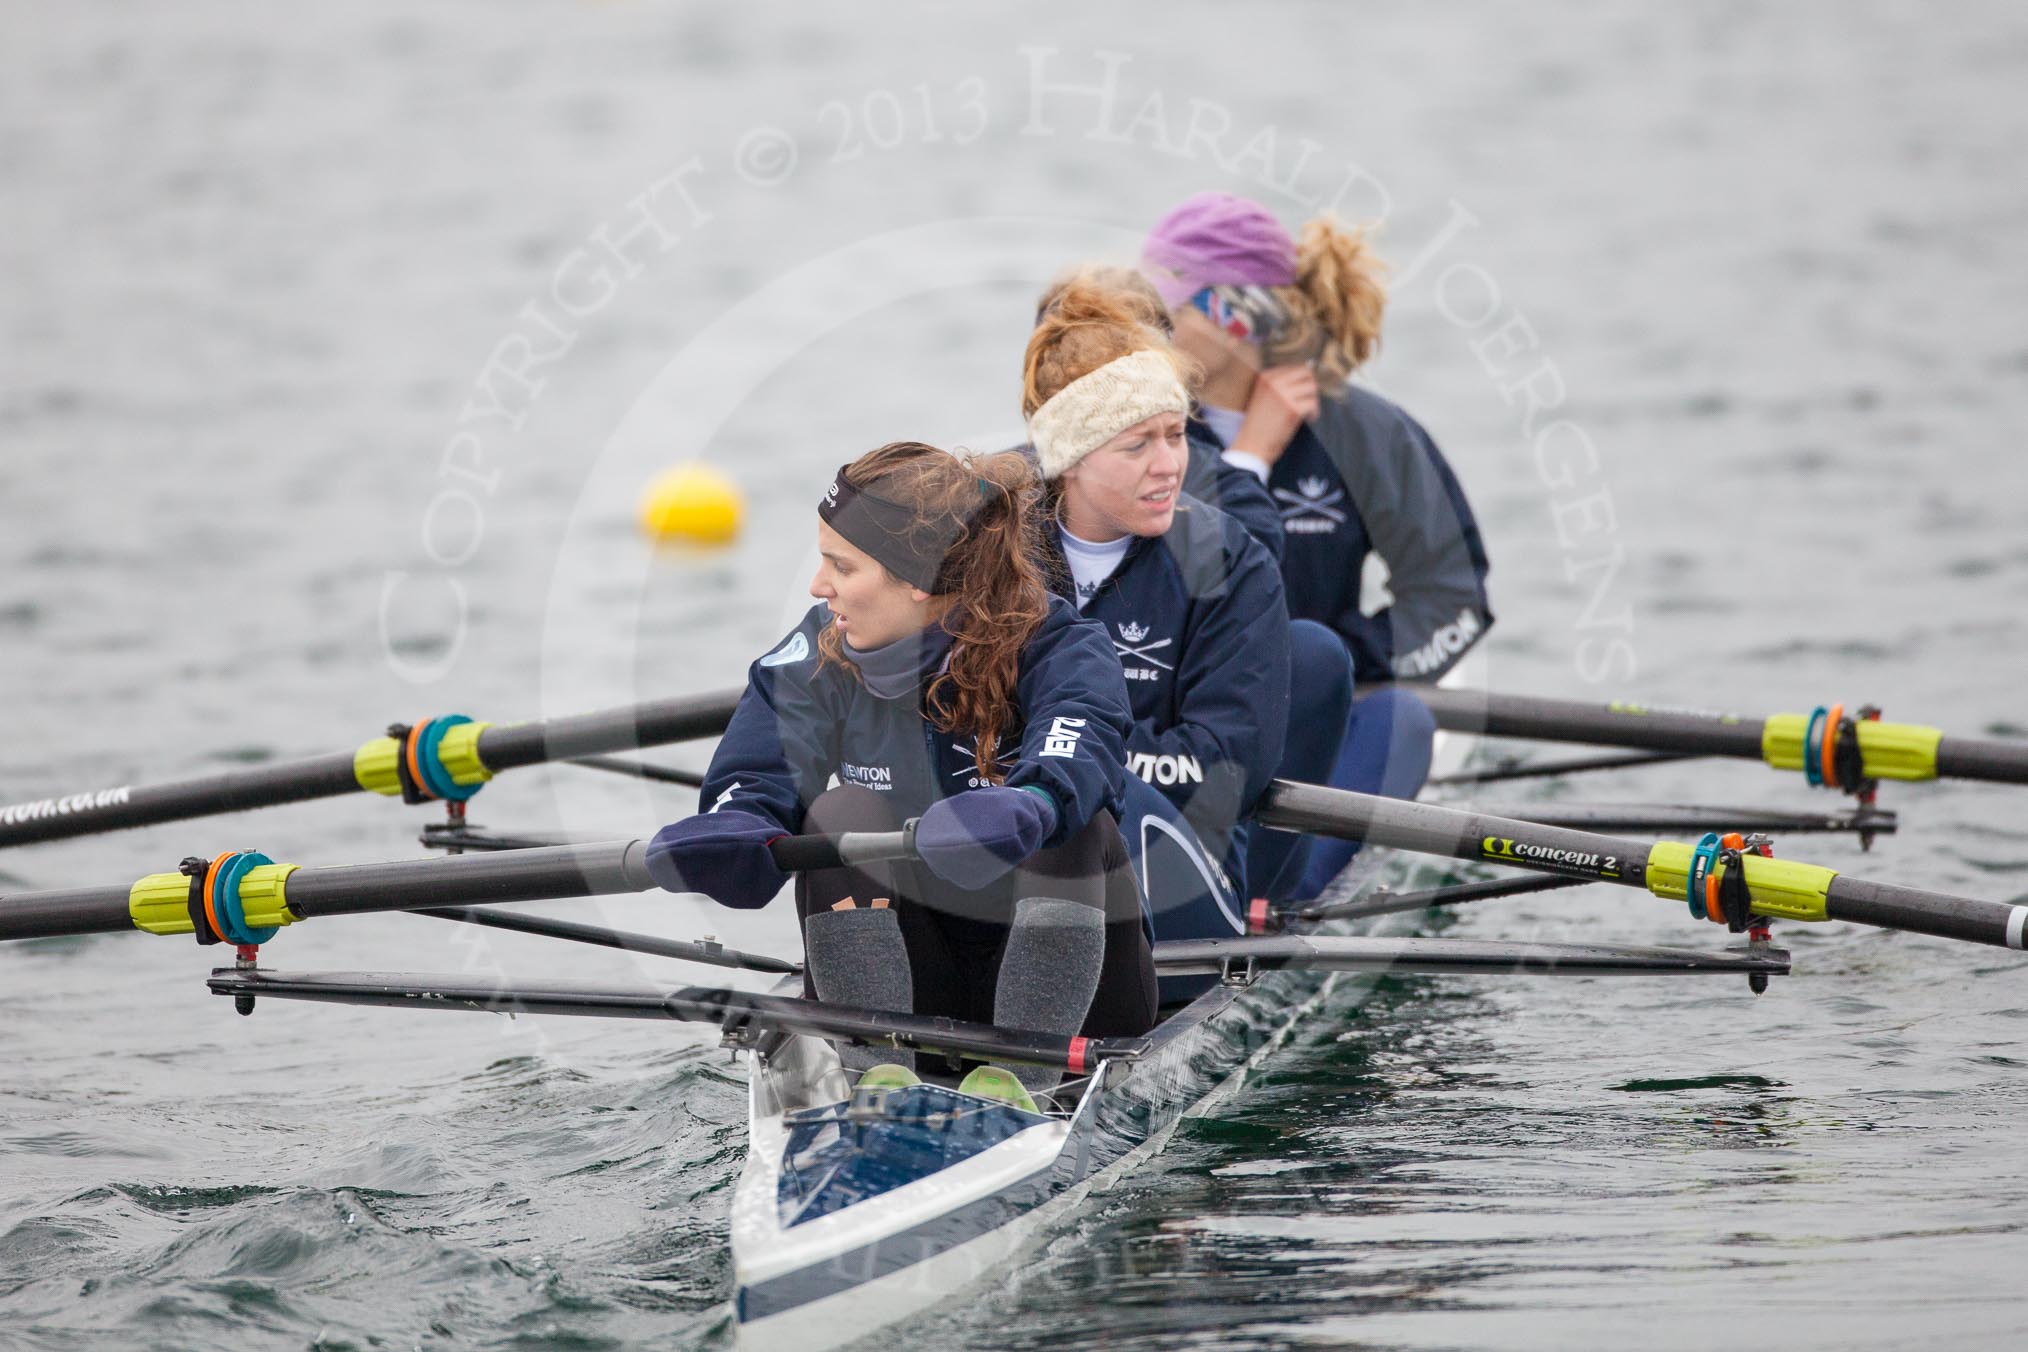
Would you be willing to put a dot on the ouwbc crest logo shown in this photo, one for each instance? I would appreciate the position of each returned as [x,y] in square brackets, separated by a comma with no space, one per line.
[1314,508]
[1137,656]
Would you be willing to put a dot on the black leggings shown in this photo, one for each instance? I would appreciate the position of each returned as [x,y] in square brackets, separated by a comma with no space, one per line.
[955,937]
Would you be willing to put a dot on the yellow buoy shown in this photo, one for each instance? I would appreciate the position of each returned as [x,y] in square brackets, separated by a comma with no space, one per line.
[692,502]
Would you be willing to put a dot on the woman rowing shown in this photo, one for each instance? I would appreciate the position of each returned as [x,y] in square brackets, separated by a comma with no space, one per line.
[1279,327]
[1320,675]
[1228,483]
[938,678]
[1191,602]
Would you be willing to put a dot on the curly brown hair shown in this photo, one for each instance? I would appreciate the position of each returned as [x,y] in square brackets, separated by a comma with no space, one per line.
[984,506]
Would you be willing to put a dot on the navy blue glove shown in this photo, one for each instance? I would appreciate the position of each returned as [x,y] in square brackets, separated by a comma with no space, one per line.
[973,837]
[721,854]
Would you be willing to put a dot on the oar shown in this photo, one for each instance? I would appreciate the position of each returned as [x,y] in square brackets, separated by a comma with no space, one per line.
[1236,958]
[1875,750]
[450,757]
[463,837]
[440,758]
[256,897]
[633,769]
[1386,902]
[740,1013]
[244,893]
[1866,822]
[710,954]
[1573,765]
[1778,888]
[252,894]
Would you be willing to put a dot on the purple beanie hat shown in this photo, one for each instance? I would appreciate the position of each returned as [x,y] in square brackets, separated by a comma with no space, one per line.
[1216,239]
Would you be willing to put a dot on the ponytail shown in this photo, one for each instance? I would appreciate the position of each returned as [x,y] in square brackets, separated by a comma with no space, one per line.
[1336,303]
[985,506]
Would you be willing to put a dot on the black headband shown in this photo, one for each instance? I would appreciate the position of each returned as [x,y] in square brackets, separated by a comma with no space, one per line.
[899,539]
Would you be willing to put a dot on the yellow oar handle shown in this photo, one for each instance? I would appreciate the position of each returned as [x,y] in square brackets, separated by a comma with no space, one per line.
[1784,888]
[1904,751]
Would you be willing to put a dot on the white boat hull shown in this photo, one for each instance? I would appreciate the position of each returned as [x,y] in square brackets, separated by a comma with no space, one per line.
[823,1282]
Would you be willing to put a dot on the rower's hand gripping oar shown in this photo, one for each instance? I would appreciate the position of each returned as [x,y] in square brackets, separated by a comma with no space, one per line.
[237,896]
[243,897]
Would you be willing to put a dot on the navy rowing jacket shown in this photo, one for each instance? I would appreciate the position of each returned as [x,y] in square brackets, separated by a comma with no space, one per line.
[1237,492]
[1202,632]
[1364,477]
[798,726]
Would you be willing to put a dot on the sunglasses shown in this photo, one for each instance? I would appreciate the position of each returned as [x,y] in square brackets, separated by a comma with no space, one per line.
[1229,319]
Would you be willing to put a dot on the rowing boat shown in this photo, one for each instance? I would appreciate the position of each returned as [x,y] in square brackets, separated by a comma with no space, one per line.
[855,1212]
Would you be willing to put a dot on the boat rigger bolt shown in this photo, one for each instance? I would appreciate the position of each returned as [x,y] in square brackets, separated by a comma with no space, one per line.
[245,959]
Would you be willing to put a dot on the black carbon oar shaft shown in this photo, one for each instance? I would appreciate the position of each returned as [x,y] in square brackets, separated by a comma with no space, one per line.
[1689,731]
[542,926]
[1781,888]
[1388,902]
[1683,731]
[120,809]
[73,910]
[656,723]
[1890,907]
[544,873]
[1425,828]
[1666,817]
[1990,759]
[548,873]
[501,748]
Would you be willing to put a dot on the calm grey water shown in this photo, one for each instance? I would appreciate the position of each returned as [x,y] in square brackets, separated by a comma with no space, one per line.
[338,345]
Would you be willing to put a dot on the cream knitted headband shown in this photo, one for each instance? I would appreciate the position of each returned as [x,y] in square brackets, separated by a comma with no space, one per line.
[1099,405]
